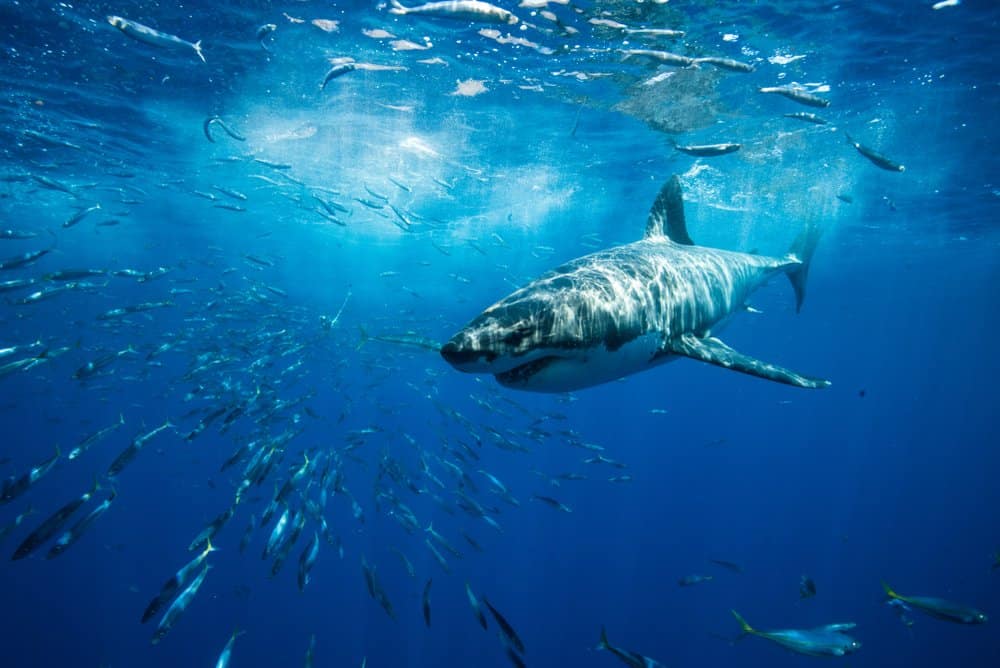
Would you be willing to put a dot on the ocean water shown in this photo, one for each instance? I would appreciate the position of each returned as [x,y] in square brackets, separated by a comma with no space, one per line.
[503,150]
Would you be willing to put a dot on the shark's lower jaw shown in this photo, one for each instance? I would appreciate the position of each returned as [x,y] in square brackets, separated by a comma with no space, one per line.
[521,375]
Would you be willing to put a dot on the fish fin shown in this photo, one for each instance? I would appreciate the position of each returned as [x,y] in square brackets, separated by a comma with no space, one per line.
[666,216]
[397,7]
[363,337]
[889,592]
[839,628]
[604,644]
[714,351]
[802,250]
[197,49]
[743,623]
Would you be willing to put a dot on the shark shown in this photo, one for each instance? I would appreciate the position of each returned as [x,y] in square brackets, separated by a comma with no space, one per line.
[629,308]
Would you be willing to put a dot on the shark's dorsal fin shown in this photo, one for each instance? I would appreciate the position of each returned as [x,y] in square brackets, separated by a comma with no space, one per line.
[666,217]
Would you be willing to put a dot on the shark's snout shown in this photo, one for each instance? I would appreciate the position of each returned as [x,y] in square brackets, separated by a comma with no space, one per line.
[465,357]
[455,355]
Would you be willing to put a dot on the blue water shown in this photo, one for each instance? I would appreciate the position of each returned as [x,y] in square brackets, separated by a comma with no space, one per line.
[891,473]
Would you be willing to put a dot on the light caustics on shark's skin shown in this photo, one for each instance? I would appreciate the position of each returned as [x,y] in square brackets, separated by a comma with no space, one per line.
[626,309]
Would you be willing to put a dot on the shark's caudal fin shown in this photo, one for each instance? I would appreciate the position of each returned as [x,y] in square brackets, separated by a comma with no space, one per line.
[802,250]
[716,352]
[666,217]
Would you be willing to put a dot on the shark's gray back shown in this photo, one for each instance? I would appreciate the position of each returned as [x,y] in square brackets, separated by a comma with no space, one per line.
[652,285]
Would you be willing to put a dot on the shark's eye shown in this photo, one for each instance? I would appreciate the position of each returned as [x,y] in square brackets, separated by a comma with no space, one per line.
[516,335]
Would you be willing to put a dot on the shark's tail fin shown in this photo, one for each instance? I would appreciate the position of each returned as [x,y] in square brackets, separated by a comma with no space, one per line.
[888,591]
[743,623]
[802,250]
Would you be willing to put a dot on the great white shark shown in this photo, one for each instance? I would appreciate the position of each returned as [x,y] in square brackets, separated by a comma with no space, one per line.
[629,308]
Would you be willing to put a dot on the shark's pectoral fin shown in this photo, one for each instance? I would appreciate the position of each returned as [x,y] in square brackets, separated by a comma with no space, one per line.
[714,351]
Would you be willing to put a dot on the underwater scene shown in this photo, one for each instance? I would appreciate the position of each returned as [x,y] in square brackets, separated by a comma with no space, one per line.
[510,333]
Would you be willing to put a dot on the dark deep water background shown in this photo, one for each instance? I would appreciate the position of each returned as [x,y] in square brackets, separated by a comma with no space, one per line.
[889,474]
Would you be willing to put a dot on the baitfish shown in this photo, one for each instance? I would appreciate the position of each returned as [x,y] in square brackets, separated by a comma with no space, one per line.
[153,37]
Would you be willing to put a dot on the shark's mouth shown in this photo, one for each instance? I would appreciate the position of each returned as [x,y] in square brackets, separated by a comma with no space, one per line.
[520,375]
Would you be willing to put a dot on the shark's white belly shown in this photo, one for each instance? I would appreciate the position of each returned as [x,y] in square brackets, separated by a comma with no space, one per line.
[592,366]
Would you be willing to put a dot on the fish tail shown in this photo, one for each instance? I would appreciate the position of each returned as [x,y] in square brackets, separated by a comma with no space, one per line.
[889,592]
[743,623]
[197,49]
[397,7]
[363,334]
[802,250]
[604,644]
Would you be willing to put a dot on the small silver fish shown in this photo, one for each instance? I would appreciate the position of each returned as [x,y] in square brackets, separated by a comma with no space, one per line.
[708,150]
[461,10]
[153,37]
[798,95]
